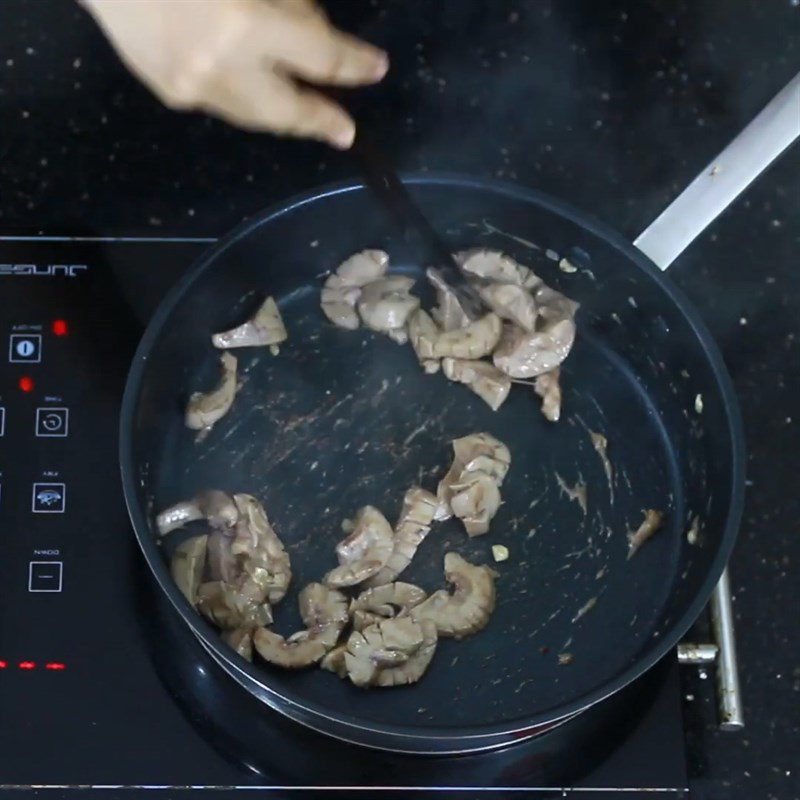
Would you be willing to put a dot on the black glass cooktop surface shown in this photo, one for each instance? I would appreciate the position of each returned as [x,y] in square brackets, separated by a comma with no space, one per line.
[101,688]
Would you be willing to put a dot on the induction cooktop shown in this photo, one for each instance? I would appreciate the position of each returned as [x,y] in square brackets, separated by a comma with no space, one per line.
[102,689]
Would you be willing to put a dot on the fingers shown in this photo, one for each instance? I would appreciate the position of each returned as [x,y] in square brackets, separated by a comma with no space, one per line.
[316,117]
[270,102]
[309,47]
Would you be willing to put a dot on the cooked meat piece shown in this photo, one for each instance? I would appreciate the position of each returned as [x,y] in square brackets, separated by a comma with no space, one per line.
[265,328]
[222,564]
[264,559]
[412,670]
[338,302]
[467,609]
[241,640]
[525,355]
[522,354]
[399,335]
[475,340]
[226,606]
[383,602]
[385,305]
[547,386]
[511,302]
[187,565]
[214,506]
[554,306]
[333,661]
[205,409]
[324,612]
[413,525]
[342,289]
[386,644]
[474,458]
[491,385]
[423,333]
[483,451]
[364,551]
[448,314]
[496,266]
[299,650]
[248,569]
[475,500]
[652,522]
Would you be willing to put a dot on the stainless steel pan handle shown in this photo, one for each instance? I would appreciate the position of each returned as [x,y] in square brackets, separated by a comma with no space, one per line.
[721,182]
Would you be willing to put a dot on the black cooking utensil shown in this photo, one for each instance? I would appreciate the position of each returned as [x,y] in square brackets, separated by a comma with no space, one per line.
[380,175]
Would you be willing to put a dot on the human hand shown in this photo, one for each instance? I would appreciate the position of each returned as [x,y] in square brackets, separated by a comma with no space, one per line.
[241,60]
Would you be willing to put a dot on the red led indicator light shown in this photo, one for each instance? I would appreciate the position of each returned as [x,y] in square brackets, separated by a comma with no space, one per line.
[26,383]
[56,666]
[60,327]
[3,664]
[27,665]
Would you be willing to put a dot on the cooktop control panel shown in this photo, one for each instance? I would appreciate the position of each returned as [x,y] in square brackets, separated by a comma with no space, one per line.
[70,319]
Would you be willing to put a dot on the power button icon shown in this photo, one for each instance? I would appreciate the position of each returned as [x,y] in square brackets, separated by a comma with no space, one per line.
[25,348]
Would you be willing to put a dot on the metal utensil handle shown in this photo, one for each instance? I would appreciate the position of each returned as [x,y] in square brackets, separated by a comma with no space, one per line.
[728,691]
[721,182]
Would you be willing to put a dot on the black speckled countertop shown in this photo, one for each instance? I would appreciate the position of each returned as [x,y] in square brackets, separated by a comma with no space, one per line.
[614,106]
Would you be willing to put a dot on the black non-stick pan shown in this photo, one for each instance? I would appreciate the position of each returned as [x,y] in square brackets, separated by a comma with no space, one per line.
[339,419]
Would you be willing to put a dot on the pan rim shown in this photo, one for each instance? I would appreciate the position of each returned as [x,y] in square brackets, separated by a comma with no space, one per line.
[295,706]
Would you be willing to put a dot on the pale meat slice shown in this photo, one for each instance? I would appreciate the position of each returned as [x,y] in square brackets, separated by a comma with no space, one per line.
[423,333]
[413,525]
[204,409]
[511,302]
[262,556]
[343,288]
[240,640]
[474,458]
[265,328]
[298,651]
[187,565]
[385,305]
[387,645]
[488,382]
[493,265]
[475,340]
[248,567]
[412,670]
[225,605]
[449,314]
[522,354]
[475,501]
[548,387]
[364,551]
[216,507]
[324,612]
[525,355]
[383,602]
[467,609]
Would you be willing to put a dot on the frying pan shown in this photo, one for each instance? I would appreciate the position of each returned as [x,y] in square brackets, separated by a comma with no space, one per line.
[340,419]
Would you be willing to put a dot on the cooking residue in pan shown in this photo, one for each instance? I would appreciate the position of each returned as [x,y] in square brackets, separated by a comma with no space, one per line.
[585,608]
[576,493]
[652,522]
[600,444]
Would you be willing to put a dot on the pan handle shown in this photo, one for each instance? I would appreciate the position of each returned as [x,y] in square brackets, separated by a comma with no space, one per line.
[721,182]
